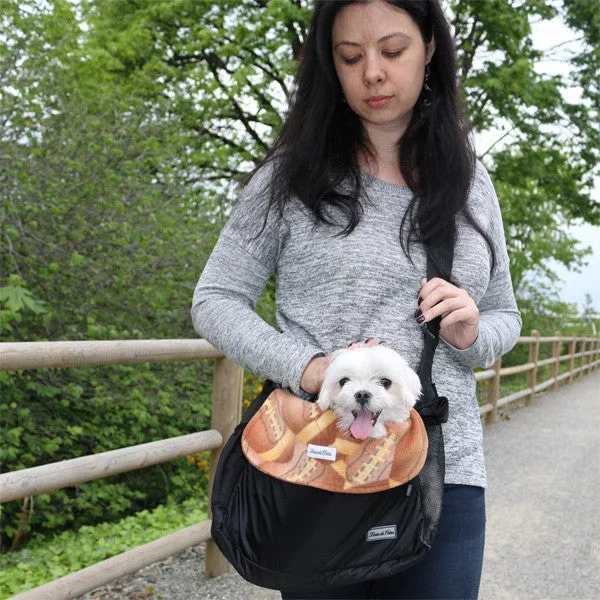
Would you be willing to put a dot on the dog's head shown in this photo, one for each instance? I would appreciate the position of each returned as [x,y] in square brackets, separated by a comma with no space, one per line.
[368,387]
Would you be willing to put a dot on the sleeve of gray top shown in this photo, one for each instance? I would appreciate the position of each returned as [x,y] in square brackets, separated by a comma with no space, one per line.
[223,307]
[499,318]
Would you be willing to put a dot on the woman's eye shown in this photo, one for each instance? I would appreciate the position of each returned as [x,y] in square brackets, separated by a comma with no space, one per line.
[344,381]
[393,53]
[350,60]
[386,383]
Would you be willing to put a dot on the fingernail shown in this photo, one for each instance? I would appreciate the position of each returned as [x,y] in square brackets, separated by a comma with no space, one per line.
[382,342]
[419,300]
[420,319]
[367,340]
[418,313]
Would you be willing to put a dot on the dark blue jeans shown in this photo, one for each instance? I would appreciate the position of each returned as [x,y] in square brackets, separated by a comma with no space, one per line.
[450,570]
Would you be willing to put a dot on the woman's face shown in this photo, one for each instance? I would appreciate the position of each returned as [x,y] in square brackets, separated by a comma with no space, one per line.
[380,57]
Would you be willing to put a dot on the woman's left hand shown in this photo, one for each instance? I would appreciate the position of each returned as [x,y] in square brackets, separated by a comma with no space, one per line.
[460,316]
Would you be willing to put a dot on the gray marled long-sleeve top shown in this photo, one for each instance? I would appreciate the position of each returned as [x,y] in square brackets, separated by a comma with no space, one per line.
[333,290]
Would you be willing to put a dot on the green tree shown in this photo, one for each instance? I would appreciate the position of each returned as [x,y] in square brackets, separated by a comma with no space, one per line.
[101,239]
[590,316]
[228,67]
[548,153]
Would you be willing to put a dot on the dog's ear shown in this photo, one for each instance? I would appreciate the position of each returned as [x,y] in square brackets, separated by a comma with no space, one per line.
[411,387]
[324,399]
[328,387]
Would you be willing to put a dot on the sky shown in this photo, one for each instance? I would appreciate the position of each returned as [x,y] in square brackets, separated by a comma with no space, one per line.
[576,285]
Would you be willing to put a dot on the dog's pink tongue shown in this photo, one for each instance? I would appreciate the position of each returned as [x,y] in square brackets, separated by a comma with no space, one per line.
[363,425]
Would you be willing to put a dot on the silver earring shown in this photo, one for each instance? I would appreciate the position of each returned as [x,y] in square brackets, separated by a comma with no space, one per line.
[426,92]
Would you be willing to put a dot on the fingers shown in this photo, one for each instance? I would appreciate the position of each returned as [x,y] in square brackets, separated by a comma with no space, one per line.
[433,291]
[368,343]
[467,314]
[438,298]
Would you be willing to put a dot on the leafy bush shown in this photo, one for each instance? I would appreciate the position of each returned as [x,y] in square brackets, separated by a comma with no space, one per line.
[47,416]
[49,558]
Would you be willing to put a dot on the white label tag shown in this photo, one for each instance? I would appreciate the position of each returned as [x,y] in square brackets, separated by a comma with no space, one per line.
[387,532]
[321,452]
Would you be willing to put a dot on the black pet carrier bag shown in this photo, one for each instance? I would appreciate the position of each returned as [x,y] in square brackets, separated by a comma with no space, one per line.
[284,535]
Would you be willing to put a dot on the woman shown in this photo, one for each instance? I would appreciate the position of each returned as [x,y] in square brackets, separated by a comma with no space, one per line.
[372,165]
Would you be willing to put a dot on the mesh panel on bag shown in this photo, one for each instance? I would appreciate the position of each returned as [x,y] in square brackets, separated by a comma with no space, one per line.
[432,481]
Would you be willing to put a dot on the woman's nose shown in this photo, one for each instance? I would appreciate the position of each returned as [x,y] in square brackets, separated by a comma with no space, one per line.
[374,71]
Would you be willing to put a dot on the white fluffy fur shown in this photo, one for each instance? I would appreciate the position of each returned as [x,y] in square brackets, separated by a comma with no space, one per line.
[365,368]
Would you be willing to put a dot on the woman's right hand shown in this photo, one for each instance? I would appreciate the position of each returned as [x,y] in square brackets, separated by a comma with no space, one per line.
[314,374]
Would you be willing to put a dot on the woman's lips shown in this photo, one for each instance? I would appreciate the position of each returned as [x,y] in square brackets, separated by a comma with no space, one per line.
[378,101]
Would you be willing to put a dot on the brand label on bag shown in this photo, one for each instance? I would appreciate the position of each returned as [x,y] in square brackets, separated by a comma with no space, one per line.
[321,452]
[386,532]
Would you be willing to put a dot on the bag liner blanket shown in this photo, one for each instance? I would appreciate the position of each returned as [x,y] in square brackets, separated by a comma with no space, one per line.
[295,441]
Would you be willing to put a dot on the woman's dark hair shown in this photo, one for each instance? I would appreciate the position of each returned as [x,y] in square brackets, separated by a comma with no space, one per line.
[315,150]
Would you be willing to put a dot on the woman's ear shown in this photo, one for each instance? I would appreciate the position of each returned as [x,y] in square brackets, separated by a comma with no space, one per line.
[429,50]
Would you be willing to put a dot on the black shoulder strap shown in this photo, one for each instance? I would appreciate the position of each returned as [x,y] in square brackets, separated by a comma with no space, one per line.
[433,408]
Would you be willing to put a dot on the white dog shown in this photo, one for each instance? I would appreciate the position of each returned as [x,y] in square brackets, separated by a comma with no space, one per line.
[368,387]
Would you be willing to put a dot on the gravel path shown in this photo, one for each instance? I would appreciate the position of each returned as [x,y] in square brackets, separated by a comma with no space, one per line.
[543,533]
[181,577]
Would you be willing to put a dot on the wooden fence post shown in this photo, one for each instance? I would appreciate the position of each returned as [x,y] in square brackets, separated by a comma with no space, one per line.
[493,393]
[586,359]
[572,344]
[228,382]
[556,363]
[582,358]
[534,350]
[590,360]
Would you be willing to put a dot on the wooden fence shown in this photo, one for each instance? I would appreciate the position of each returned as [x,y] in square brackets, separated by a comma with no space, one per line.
[226,409]
[578,363]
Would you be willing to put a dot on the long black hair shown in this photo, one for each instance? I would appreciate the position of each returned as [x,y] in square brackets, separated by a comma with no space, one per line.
[315,150]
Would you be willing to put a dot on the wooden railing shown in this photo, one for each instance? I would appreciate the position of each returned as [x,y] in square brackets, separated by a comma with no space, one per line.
[588,359]
[226,409]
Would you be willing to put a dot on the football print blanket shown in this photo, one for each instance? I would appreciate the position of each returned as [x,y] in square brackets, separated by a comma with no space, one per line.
[294,440]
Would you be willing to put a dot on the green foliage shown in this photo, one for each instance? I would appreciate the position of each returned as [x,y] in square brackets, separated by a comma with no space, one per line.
[545,158]
[48,417]
[15,301]
[50,558]
[97,210]
[101,239]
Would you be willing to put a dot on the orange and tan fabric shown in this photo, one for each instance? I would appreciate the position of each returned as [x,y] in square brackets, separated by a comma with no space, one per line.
[294,440]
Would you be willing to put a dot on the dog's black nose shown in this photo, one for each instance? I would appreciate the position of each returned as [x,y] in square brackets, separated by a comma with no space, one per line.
[362,397]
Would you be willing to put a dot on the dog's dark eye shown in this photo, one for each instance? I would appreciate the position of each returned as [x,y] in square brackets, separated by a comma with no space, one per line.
[344,381]
[386,383]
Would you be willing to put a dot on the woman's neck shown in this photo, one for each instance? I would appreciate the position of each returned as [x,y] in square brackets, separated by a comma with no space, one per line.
[385,161]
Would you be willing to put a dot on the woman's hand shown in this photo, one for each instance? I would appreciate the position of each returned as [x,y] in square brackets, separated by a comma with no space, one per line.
[314,374]
[460,316]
